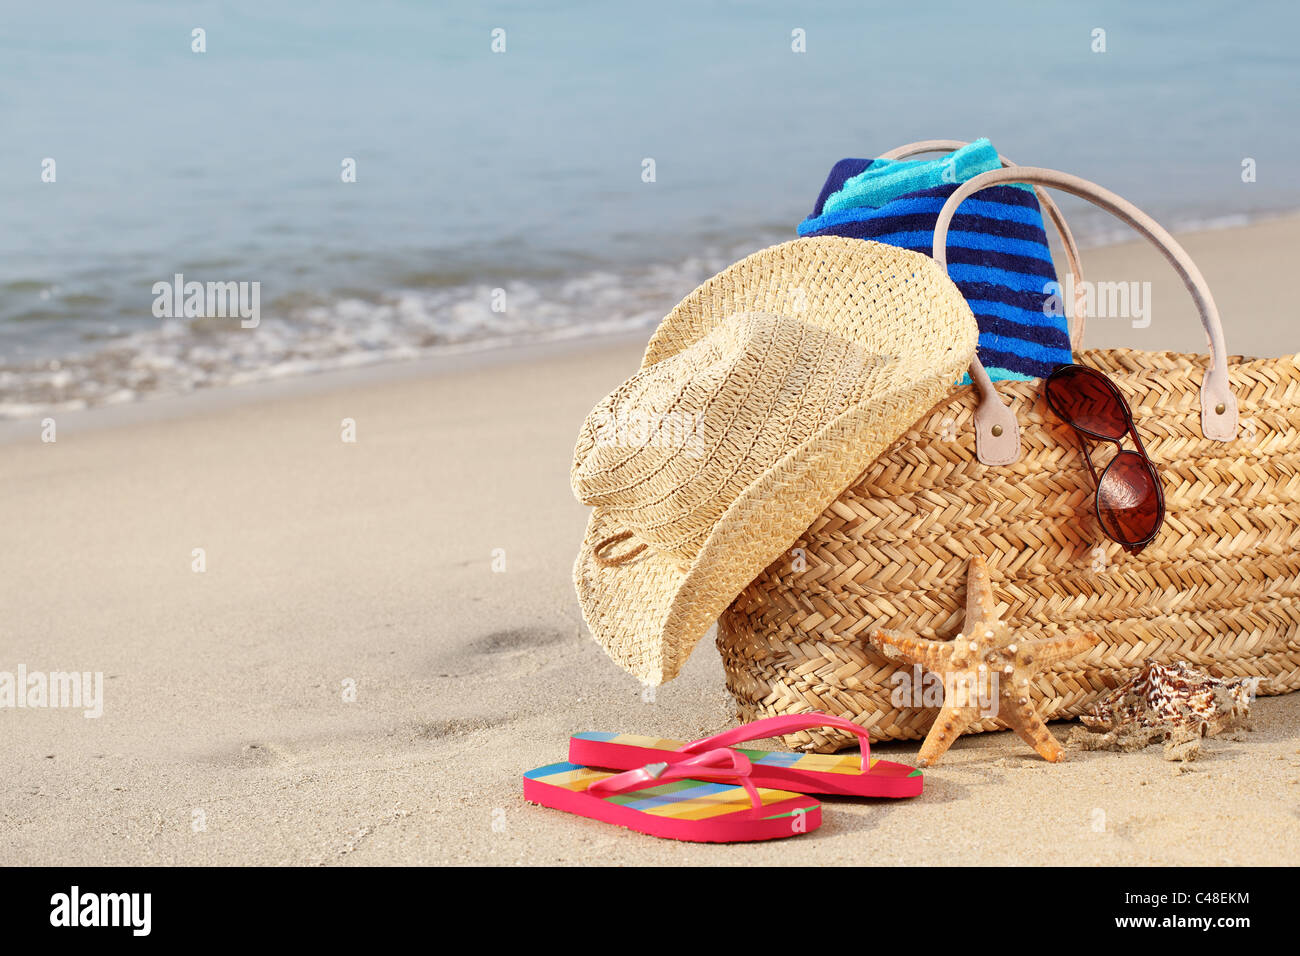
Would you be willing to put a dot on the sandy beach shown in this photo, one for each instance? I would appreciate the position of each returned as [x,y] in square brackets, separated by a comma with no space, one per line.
[384,635]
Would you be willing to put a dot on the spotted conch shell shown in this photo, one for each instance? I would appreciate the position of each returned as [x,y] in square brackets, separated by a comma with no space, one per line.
[1173,697]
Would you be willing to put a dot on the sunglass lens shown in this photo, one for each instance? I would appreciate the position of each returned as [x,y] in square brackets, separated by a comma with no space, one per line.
[1129,502]
[1086,400]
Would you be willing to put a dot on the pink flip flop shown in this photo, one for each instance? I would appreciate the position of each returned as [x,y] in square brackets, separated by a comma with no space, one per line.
[684,800]
[846,775]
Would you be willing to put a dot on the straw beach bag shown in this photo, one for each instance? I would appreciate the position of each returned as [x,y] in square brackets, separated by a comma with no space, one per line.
[992,471]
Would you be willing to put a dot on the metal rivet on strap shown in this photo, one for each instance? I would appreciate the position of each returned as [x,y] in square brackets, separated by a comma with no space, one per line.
[997,430]
[1219,408]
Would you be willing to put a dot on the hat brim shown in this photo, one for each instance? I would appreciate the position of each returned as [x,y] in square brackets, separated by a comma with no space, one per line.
[649,613]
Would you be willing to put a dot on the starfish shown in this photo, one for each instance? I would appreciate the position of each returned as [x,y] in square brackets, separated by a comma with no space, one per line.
[986,664]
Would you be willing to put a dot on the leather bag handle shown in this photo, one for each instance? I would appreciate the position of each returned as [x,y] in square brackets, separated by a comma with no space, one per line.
[1049,206]
[997,433]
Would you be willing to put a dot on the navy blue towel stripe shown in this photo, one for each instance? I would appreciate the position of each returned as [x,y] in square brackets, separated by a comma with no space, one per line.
[1014,362]
[1008,328]
[1018,299]
[957,255]
[885,223]
[1007,195]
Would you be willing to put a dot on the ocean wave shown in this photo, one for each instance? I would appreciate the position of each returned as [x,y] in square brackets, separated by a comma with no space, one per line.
[314,334]
[118,360]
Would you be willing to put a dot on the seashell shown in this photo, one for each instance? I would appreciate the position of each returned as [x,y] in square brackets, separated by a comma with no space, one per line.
[1169,696]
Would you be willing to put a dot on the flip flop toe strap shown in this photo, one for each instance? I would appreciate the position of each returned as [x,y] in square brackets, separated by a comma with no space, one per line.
[780,726]
[719,764]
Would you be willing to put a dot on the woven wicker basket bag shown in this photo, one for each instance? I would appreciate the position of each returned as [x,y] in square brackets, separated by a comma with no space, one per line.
[991,471]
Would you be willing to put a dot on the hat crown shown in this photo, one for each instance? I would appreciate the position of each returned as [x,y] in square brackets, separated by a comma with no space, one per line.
[672,448]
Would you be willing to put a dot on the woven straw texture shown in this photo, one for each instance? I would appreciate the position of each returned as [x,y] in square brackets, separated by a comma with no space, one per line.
[667,451]
[1218,587]
[796,366]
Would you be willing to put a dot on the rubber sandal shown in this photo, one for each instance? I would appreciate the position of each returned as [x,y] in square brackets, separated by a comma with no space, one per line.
[685,800]
[846,775]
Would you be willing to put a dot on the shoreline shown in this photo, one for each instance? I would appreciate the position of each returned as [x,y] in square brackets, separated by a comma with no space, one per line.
[1108,260]
[214,400]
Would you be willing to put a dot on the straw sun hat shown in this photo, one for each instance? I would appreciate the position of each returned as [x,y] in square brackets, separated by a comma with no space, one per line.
[761,397]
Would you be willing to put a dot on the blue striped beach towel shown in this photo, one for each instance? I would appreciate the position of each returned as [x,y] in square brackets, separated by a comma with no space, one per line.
[998,254]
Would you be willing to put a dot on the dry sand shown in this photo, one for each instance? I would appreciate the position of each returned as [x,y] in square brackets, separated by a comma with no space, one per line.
[226,736]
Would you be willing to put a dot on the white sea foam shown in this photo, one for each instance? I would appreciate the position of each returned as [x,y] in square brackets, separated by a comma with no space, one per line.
[175,356]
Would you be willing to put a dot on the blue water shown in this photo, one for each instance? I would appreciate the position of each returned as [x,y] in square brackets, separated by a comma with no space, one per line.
[522,170]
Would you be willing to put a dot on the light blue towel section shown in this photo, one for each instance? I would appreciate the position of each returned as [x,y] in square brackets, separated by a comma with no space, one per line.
[887,179]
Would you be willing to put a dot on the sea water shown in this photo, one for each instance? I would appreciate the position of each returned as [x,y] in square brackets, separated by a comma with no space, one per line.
[404,177]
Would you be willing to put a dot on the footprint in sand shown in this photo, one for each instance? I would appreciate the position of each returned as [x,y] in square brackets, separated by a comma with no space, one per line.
[515,640]
[455,727]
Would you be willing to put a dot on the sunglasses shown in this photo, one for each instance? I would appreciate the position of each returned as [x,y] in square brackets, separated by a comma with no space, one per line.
[1130,502]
